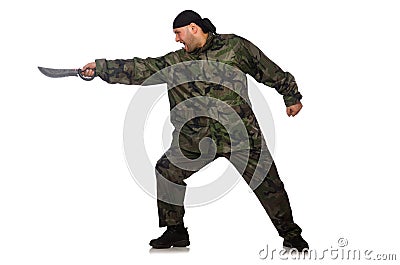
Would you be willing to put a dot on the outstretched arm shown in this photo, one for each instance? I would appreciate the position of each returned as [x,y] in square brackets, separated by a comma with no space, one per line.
[130,72]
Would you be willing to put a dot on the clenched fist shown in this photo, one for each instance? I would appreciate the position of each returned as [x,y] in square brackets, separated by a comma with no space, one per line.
[294,109]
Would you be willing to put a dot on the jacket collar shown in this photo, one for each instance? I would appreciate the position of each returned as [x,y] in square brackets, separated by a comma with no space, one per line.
[206,46]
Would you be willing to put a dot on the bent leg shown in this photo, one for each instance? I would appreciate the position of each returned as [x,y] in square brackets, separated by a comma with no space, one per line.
[171,171]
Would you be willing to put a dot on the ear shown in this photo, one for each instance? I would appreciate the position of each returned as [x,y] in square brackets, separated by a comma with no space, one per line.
[193,28]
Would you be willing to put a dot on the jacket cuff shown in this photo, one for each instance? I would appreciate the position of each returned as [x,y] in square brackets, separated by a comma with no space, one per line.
[292,99]
[100,66]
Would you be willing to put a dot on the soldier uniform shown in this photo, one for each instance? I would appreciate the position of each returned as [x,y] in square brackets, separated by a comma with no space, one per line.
[211,80]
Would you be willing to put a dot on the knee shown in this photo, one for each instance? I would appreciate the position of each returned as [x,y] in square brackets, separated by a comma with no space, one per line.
[164,170]
[161,168]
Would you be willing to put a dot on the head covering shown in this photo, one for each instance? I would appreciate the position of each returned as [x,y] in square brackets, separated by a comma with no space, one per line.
[188,16]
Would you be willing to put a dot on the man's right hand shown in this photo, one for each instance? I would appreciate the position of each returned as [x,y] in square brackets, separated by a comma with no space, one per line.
[89,69]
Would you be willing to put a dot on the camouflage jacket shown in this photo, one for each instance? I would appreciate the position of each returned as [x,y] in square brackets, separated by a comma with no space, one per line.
[207,89]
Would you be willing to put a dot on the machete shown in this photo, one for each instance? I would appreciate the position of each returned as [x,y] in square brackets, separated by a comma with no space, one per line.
[56,73]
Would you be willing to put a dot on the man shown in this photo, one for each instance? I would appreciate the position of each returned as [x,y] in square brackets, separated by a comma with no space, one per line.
[218,109]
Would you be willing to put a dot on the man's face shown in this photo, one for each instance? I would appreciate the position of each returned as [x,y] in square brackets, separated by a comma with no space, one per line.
[186,37]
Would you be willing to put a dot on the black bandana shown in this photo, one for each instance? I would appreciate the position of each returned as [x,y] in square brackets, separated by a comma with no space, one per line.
[188,16]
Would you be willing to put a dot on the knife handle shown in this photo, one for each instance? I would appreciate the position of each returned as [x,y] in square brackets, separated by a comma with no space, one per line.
[85,77]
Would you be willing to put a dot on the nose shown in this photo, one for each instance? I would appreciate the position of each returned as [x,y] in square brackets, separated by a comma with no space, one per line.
[177,38]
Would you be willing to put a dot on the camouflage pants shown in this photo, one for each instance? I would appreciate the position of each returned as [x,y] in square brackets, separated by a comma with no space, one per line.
[270,192]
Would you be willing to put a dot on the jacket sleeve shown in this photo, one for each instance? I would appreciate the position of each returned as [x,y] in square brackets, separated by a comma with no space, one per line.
[132,71]
[265,71]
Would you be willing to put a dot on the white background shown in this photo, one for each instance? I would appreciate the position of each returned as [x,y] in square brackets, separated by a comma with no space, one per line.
[66,195]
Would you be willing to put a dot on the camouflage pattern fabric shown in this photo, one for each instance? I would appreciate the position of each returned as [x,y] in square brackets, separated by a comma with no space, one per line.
[270,193]
[207,90]
[227,49]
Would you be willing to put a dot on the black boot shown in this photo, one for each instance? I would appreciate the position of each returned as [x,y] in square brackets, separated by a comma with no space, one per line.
[174,236]
[296,242]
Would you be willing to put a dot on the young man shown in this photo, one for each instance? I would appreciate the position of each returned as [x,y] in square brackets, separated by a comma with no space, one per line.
[207,116]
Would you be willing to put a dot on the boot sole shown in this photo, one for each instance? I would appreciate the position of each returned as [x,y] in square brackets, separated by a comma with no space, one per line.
[288,248]
[181,243]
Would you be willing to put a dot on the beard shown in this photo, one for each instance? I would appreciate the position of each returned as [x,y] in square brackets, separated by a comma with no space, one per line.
[190,43]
